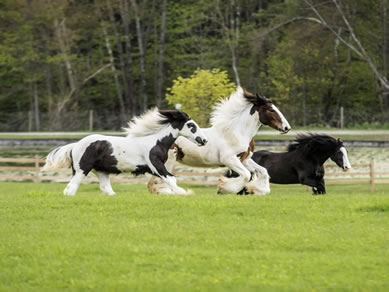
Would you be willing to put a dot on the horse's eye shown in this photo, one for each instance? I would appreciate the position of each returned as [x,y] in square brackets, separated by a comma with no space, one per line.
[271,110]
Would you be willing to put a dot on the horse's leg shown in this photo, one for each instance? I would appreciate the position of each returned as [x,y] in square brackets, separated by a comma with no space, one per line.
[317,185]
[321,189]
[156,185]
[72,187]
[260,182]
[236,184]
[159,169]
[172,183]
[105,183]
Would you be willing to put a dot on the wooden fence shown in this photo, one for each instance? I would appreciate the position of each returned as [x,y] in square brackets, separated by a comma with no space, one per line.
[28,169]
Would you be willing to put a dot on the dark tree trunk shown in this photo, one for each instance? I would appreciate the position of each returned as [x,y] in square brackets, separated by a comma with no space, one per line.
[160,75]
[140,38]
[131,98]
[120,52]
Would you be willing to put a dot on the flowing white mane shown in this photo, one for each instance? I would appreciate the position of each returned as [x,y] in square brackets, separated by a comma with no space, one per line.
[228,110]
[146,124]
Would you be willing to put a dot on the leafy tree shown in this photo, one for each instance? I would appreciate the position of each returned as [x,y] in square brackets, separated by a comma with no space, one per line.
[198,93]
[62,58]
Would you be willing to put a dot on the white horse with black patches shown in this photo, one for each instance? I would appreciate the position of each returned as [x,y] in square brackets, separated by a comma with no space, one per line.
[234,122]
[143,150]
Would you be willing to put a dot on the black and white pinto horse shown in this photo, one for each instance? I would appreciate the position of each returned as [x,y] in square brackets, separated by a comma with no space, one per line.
[303,162]
[234,122]
[143,150]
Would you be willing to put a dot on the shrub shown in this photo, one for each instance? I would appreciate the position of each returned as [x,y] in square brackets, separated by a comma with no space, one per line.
[198,93]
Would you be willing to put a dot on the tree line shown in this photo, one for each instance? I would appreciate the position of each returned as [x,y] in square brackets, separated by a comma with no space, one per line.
[311,57]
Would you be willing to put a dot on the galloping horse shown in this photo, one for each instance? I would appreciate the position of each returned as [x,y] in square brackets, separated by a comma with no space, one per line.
[303,163]
[234,122]
[144,150]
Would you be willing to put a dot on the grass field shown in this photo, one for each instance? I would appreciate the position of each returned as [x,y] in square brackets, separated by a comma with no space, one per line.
[136,241]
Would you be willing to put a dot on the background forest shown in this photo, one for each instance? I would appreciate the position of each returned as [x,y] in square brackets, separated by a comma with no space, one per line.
[61,59]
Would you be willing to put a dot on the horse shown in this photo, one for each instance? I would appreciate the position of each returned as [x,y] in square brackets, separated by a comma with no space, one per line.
[234,122]
[143,150]
[303,161]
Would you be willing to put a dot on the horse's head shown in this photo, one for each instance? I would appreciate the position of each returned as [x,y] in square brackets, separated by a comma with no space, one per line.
[340,156]
[187,127]
[268,113]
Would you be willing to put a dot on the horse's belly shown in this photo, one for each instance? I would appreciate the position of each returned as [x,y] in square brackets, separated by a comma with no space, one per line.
[198,162]
[127,161]
[193,155]
[283,177]
[283,180]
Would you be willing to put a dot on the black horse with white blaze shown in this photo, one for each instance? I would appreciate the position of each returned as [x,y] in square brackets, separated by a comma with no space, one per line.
[303,162]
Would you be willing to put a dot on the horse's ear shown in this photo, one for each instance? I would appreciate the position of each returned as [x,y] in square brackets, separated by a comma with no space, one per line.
[255,99]
[261,100]
[340,142]
[249,96]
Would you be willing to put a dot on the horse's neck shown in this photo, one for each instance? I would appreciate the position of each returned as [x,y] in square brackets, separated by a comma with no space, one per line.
[244,127]
[321,157]
[164,138]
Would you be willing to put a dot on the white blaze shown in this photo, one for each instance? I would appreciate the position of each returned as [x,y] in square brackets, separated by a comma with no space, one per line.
[285,124]
[346,162]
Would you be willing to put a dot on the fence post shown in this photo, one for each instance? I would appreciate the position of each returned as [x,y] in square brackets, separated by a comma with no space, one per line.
[37,169]
[341,117]
[29,121]
[90,120]
[372,175]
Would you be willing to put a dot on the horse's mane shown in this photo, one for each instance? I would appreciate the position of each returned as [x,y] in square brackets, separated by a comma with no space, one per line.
[312,143]
[146,124]
[228,110]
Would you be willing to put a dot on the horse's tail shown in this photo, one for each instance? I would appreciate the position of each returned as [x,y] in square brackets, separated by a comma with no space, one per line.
[60,157]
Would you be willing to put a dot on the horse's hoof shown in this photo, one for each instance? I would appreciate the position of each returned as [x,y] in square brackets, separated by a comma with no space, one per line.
[243,191]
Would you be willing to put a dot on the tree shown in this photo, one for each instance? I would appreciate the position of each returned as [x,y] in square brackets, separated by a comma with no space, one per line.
[198,93]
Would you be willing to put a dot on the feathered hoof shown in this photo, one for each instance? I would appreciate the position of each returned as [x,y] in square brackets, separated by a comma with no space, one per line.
[189,192]
[171,193]
[257,192]
[226,186]
[157,186]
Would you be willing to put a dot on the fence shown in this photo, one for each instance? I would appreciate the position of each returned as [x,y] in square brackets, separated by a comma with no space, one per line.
[108,120]
[66,121]
[28,169]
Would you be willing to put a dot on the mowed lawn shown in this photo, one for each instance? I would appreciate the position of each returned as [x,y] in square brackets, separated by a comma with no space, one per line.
[136,241]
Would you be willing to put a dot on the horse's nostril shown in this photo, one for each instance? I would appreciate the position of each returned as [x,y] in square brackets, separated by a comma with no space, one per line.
[200,141]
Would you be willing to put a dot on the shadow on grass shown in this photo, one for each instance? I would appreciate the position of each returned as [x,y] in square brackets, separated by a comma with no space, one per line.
[377,208]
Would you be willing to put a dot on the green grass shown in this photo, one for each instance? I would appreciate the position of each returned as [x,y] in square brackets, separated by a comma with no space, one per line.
[288,240]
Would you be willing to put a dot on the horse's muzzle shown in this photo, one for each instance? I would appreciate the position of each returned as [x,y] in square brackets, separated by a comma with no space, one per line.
[284,130]
[200,141]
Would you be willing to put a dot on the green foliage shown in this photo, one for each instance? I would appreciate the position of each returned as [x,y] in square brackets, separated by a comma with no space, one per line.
[288,240]
[299,64]
[199,93]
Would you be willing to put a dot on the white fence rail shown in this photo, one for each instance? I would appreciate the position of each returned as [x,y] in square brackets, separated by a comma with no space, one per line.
[28,169]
